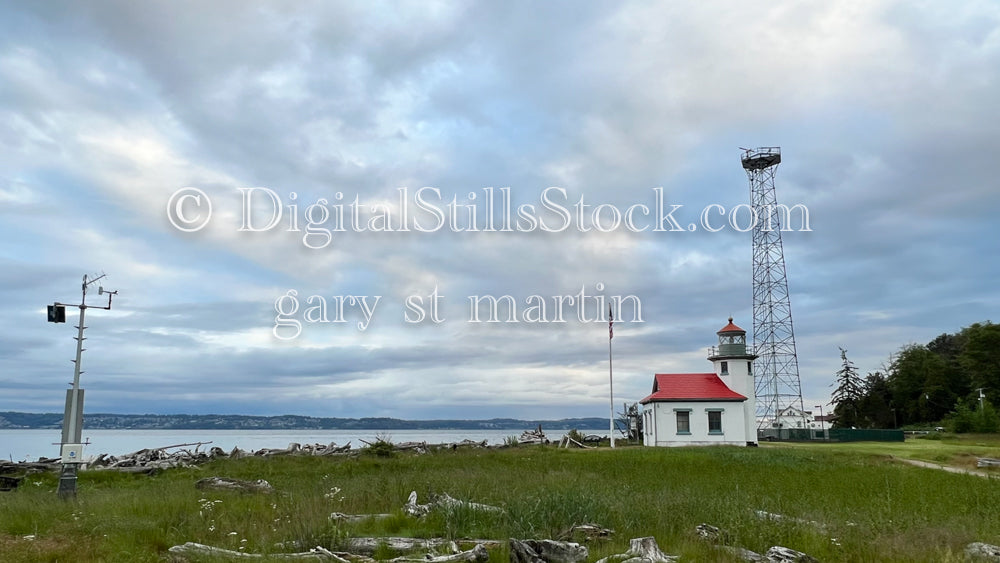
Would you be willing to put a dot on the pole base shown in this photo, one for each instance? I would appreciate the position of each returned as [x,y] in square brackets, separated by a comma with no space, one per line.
[67,482]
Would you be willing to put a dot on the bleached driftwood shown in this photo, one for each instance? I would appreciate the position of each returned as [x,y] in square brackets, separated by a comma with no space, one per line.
[477,553]
[764,515]
[447,501]
[227,484]
[742,553]
[369,545]
[535,436]
[711,533]
[982,551]
[566,441]
[641,550]
[341,517]
[586,532]
[987,462]
[443,500]
[546,551]
[779,554]
[197,549]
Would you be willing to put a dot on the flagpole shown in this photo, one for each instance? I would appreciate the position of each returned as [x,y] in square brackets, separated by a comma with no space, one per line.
[611,379]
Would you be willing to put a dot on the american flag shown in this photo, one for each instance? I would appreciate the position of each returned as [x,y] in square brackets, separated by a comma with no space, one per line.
[611,324]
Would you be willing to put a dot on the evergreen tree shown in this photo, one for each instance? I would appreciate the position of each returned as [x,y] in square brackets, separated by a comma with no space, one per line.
[846,398]
[876,404]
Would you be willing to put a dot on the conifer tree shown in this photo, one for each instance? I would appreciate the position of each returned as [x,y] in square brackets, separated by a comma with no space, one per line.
[846,398]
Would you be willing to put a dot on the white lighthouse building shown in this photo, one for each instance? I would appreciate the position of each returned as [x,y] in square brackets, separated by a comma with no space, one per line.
[717,408]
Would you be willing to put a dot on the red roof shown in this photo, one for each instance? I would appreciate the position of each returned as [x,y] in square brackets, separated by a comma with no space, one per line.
[730,327]
[691,387]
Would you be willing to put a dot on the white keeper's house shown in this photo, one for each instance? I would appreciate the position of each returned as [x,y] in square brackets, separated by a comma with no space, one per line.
[700,409]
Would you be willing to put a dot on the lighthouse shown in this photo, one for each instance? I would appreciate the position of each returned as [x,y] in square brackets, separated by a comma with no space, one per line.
[734,366]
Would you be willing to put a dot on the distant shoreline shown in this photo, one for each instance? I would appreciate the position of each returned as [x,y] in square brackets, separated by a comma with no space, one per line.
[106,421]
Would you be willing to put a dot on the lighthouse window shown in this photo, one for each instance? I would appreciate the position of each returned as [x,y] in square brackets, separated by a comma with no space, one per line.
[749,368]
[725,368]
[715,422]
[683,422]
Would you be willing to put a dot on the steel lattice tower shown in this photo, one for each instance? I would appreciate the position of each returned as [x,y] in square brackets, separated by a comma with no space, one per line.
[776,369]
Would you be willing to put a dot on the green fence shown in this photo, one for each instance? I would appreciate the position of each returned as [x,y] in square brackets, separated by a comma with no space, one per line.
[864,435]
[828,435]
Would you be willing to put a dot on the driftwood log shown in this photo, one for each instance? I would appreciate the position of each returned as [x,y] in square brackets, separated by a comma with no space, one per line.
[742,553]
[641,550]
[982,551]
[341,517]
[987,462]
[227,484]
[477,553]
[546,551]
[370,545]
[443,500]
[779,554]
[773,517]
[197,549]
[535,436]
[585,532]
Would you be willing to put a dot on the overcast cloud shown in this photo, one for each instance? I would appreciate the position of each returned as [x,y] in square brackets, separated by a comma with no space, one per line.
[886,113]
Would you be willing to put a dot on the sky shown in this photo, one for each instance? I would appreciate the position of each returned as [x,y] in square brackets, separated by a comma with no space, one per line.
[209,159]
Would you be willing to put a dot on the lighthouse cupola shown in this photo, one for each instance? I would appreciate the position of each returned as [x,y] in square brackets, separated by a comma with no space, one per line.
[732,340]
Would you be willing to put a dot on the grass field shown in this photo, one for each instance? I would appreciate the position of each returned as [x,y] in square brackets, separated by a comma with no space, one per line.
[862,505]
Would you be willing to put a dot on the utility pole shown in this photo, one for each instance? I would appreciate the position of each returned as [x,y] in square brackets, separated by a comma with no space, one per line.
[71,446]
[822,421]
[611,378]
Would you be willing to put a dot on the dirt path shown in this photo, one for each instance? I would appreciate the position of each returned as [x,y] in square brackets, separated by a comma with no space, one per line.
[947,468]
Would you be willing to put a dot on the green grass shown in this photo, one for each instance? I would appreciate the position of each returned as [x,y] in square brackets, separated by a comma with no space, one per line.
[876,509]
[959,450]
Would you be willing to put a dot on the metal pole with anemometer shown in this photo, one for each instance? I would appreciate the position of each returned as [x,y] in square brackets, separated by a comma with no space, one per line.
[71,446]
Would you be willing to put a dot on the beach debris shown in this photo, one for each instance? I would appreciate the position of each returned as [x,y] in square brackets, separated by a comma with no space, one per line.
[641,550]
[585,532]
[779,554]
[371,544]
[198,549]
[477,553]
[546,551]
[987,462]
[535,436]
[341,517]
[742,553]
[443,500]
[980,550]
[712,533]
[227,484]
[773,517]
[566,442]
[152,460]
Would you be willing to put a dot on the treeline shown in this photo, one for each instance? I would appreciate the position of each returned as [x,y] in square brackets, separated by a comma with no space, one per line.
[938,383]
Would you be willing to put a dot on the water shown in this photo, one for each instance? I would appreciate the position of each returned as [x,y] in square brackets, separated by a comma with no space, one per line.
[17,445]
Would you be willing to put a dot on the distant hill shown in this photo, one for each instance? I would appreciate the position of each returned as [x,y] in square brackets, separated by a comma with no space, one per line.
[101,421]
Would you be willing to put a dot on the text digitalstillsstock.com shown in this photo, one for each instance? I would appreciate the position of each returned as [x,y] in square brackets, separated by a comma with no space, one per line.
[427,210]
[490,210]
[291,311]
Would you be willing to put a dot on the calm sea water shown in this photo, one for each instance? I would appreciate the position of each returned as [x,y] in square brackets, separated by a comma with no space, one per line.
[17,445]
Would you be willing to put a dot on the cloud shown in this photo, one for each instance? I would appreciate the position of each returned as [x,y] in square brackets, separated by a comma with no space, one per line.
[884,112]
